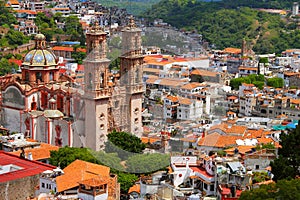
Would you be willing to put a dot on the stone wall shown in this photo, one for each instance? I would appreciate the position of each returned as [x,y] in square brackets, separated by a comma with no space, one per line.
[19,189]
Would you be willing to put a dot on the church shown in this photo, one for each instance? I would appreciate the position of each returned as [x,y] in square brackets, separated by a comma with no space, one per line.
[48,107]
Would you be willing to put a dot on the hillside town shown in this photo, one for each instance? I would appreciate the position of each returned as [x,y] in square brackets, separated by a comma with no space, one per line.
[218,114]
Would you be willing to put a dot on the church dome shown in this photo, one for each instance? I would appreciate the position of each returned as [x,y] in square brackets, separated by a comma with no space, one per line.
[40,56]
[39,36]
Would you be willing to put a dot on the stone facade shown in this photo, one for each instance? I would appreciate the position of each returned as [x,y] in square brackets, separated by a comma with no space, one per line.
[15,189]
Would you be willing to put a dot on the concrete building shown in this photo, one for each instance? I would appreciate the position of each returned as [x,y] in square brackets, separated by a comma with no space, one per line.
[82,180]
[19,177]
[295,10]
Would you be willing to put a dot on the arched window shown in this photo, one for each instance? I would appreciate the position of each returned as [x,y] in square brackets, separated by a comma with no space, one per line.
[38,76]
[90,81]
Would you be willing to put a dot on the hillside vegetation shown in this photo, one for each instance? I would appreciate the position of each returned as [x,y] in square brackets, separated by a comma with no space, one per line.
[134,7]
[226,23]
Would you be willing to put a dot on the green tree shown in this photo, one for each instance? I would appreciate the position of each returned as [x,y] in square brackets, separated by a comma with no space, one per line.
[16,38]
[66,155]
[275,82]
[78,56]
[124,143]
[288,162]
[126,180]
[6,15]
[147,163]
[42,19]
[73,28]
[284,189]
[265,146]
[7,67]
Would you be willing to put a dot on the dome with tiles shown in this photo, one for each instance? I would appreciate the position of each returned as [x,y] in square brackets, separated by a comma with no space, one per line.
[40,56]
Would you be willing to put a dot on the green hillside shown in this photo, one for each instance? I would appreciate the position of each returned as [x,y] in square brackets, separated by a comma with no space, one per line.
[134,7]
[226,23]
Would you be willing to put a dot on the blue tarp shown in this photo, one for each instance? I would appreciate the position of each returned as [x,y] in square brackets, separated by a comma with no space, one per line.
[279,127]
[291,125]
[69,43]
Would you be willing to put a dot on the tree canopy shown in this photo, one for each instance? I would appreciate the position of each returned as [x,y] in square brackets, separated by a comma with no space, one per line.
[288,162]
[66,155]
[48,26]
[147,163]
[125,144]
[6,15]
[225,23]
[283,189]
[275,82]
[257,80]
[7,67]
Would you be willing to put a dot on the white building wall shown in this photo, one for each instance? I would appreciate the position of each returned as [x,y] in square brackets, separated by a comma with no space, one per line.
[47,186]
[90,197]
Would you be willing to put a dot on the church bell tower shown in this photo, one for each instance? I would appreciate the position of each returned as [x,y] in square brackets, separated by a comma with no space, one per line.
[131,71]
[96,89]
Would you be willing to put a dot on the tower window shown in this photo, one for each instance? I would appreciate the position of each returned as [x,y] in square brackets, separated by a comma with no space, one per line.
[44,99]
[51,76]
[136,110]
[60,103]
[101,80]
[102,116]
[26,76]
[102,126]
[38,76]
[90,81]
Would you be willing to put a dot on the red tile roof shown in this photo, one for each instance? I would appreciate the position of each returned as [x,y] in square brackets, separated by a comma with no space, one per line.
[61,48]
[135,188]
[80,68]
[232,50]
[18,62]
[29,167]
[201,171]
[78,171]
[217,140]
[27,12]
[204,73]
[43,152]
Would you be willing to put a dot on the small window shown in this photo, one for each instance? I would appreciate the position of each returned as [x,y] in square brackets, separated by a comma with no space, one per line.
[136,120]
[102,116]
[136,110]
[256,167]
[102,126]
[43,185]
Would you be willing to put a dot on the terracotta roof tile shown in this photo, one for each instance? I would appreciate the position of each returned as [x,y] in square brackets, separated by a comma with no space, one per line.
[232,97]
[172,98]
[94,182]
[185,101]
[217,140]
[148,139]
[232,50]
[135,188]
[40,153]
[61,48]
[247,84]
[204,73]
[78,171]
[191,86]
[242,149]
[248,68]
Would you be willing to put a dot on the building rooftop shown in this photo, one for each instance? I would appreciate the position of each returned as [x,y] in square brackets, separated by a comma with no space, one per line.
[79,171]
[13,167]
[39,153]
